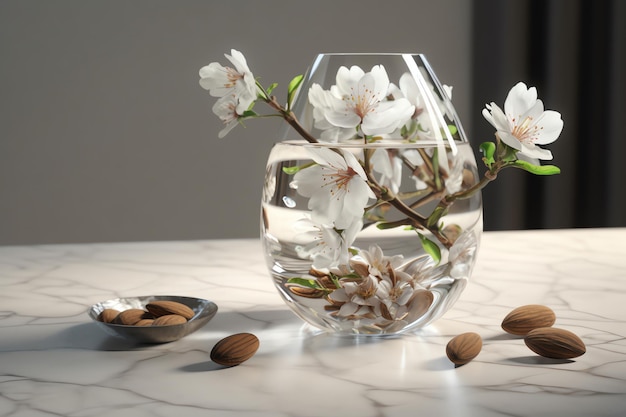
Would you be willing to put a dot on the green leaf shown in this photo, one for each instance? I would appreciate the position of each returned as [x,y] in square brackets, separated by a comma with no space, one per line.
[404,131]
[335,279]
[408,130]
[431,248]
[391,225]
[434,217]
[293,86]
[537,169]
[305,282]
[294,169]
[249,113]
[386,225]
[453,130]
[488,149]
[271,88]
[291,170]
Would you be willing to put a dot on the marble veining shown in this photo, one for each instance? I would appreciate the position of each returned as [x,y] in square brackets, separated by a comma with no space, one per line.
[55,362]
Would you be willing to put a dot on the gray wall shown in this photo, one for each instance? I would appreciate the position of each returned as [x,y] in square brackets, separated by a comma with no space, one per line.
[105,134]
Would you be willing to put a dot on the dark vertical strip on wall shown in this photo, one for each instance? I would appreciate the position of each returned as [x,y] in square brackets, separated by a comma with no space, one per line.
[593,102]
[616,151]
[538,49]
[574,52]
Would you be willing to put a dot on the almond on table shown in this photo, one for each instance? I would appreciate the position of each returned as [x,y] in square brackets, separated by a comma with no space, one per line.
[555,343]
[463,348]
[523,319]
[235,349]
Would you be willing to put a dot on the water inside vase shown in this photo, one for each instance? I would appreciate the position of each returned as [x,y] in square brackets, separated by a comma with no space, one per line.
[284,239]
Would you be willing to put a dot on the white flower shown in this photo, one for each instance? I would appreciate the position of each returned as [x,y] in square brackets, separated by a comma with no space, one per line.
[322,101]
[225,81]
[395,296]
[378,263]
[394,287]
[452,168]
[358,297]
[328,247]
[419,174]
[454,181]
[359,100]
[408,89]
[461,255]
[226,109]
[389,165]
[337,188]
[524,124]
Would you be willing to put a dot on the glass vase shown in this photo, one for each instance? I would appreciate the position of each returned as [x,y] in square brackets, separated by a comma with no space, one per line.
[372,229]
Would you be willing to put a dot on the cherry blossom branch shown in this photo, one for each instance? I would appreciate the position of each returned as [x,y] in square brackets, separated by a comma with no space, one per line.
[413,218]
[290,118]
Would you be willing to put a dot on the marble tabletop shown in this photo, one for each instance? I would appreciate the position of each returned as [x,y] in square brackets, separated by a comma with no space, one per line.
[54,361]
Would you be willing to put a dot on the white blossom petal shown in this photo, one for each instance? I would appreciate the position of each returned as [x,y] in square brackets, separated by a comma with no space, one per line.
[524,124]
[359,100]
[223,81]
[337,188]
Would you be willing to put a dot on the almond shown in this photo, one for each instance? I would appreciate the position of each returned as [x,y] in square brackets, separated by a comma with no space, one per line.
[235,349]
[555,343]
[130,317]
[108,315]
[307,292]
[463,348]
[420,304]
[523,319]
[145,322]
[169,320]
[165,307]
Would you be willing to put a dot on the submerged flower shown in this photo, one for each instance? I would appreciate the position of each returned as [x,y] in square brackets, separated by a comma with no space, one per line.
[524,124]
[327,246]
[359,100]
[378,263]
[394,296]
[394,287]
[450,167]
[358,297]
[336,186]
[376,289]
[226,81]
[389,165]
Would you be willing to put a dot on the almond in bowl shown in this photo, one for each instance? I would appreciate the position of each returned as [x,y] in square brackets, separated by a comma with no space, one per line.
[168,318]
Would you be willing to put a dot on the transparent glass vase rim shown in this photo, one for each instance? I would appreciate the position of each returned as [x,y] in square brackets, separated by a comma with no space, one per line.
[392,54]
[356,144]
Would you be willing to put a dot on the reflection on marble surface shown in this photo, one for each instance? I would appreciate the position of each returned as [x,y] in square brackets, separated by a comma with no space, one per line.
[55,361]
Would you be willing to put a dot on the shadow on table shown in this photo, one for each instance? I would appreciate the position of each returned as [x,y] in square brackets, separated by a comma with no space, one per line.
[539,360]
[87,336]
[91,336]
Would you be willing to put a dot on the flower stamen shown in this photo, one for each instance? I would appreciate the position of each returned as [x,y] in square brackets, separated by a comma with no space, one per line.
[526,131]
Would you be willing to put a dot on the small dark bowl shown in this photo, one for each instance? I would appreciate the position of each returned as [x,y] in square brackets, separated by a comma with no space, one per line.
[204,312]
